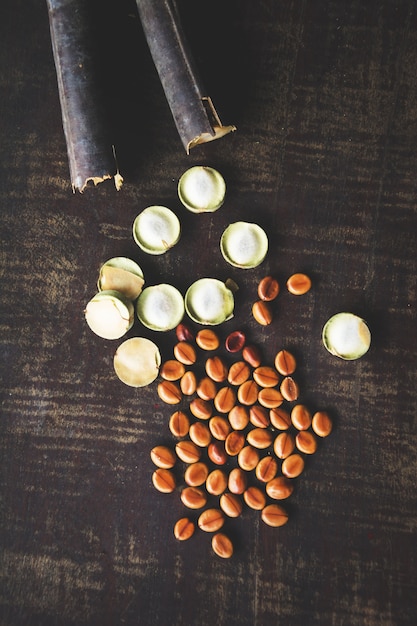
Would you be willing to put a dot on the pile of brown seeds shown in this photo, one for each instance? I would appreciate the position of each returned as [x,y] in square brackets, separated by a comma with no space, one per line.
[241,434]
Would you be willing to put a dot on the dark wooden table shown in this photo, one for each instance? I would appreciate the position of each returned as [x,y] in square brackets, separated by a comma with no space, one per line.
[324,95]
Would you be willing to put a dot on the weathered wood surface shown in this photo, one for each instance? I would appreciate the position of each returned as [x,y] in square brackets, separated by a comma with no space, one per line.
[325,100]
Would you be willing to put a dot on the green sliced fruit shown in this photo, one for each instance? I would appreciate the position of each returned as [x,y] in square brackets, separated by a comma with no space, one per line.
[202,189]
[346,336]
[209,301]
[244,245]
[160,307]
[156,229]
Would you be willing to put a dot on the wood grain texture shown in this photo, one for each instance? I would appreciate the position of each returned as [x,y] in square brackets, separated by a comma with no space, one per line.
[325,100]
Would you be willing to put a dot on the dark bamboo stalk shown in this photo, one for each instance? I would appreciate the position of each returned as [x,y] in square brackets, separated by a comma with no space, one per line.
[194,114]
[90,151]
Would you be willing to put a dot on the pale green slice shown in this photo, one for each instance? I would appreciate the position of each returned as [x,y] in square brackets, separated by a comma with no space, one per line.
[202,189]
[209,301]
[160,307]
[244,245]
[109,314]
[137,361]
[123,275]
[347,336]
[156,229]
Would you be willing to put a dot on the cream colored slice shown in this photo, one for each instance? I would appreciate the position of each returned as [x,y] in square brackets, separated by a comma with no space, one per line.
[123,275]
[137,361]
[109,314]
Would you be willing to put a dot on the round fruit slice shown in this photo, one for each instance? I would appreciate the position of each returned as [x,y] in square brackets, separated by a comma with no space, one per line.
[156,229]
[202,189]
[347,336]
[209,301]
[136,362]
[244,245]
[160,307]
[109,314]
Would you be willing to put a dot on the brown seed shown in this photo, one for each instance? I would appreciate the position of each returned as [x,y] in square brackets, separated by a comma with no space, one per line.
[230,505]
[268,288]
[279,488]
[265,376]
[179,424]
[289,389]
[270,398]
[284,445]
[252,355]
[306,442]
[259,438]
[206,388]
[196,474]
[162,456]
[254,498]
[219,427]
[237,481]
[239,373]
[216,369]
[274,515]
[285,362]
[235,341]
[184,529]
[193,497]
[184,333]
[280,418]
[238,417]
[234,442]
[248,392]
[172,370]
[300,417]
[298,284]
[207,339]
[217,453]
[266,469]
[216,482]
[163,480]
[200,434]
[201,408]
[169,392]
[258,416]
[185,353]
[187,451]
[322,424]
[211,520]
[225,399]
[248,458]
[293,465]
[188,383]
[262,312]
[222,546]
